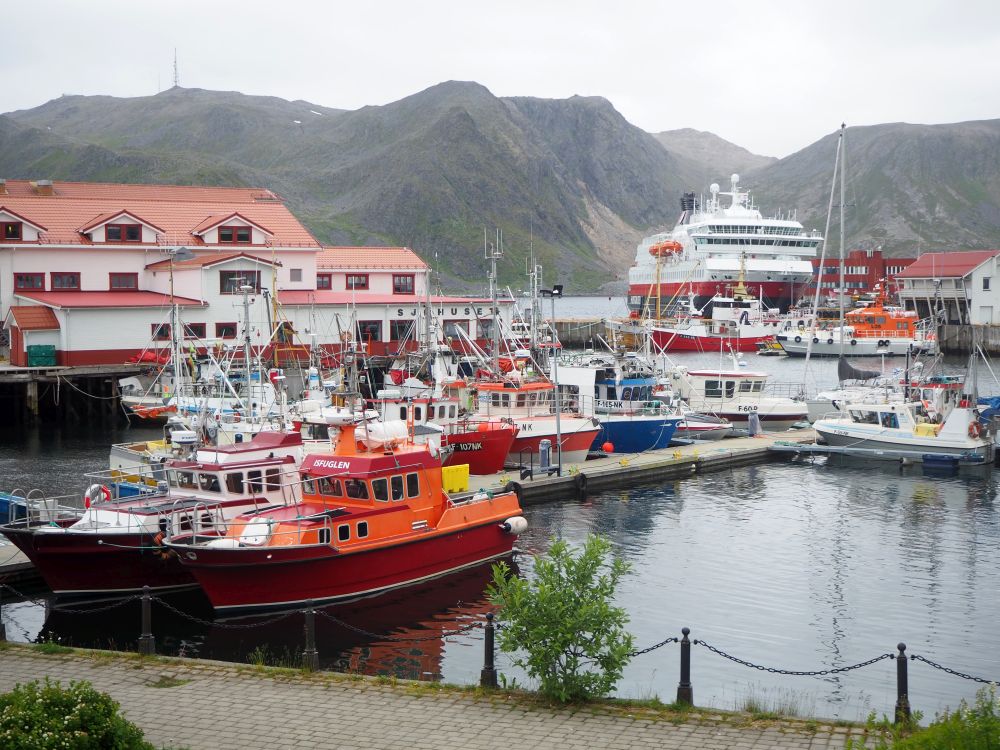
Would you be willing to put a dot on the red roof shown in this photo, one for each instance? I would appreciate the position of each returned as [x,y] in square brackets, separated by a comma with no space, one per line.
[368,257]
[327,297]
[957,264]
[106,299]
[215,219]
[177,209]
[33,318]
[16,215]
[108,216]
[212,259]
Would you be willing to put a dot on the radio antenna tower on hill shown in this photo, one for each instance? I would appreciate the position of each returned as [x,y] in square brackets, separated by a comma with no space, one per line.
[177,79]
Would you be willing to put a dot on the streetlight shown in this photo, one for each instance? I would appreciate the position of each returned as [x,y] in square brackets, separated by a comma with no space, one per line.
[555,291]
[177,254]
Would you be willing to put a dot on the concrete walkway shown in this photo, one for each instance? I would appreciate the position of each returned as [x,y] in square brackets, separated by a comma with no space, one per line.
[214,706]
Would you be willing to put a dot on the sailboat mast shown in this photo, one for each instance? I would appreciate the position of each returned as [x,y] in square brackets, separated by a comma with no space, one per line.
[492,253]
[247,347]
[843,233]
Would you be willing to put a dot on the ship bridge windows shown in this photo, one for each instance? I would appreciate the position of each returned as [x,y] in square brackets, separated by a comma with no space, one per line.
[234,482]
[380,490]
[713,389]
[413,485]
[184,480]
[330,487]
[209,482]
[397,488]
[356,489]
[730,388]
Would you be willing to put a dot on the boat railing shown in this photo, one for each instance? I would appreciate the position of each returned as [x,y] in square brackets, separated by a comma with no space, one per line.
[781,390]
[34,506]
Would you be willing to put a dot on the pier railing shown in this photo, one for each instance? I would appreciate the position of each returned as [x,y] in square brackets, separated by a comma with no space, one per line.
[489,676]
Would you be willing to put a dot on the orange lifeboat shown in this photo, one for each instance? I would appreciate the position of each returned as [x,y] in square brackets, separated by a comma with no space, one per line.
[665,248]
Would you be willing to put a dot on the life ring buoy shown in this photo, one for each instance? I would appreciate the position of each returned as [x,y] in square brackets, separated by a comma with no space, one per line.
[580,482]
[798,339]
[96,493]
[829,341]
[854,342]
[815,339]
[975,430]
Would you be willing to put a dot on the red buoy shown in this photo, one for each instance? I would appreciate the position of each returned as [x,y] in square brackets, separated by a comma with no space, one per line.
[608,447]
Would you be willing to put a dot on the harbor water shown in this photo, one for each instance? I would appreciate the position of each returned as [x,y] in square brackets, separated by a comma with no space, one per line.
[798,565]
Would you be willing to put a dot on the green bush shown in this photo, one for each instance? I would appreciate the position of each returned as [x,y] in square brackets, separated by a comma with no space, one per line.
[575,639]
[974,727]
[46,716]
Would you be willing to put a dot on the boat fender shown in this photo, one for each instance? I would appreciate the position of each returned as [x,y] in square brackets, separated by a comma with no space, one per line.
[515,525]
[580,482]
[160,550]
[829,341]
[882,343]
[815,339]
[854,342]
[96,493]
[975,430]
[517,489]
[798,339]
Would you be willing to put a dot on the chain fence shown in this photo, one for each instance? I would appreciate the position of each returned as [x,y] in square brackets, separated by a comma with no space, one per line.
[794,672]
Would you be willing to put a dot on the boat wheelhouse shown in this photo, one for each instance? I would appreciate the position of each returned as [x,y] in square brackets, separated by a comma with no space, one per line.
[734,395]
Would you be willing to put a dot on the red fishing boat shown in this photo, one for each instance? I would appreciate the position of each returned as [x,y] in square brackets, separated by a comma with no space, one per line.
[370,519]
[113,547]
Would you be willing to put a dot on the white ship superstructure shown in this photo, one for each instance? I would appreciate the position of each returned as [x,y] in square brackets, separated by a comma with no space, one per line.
[702,254]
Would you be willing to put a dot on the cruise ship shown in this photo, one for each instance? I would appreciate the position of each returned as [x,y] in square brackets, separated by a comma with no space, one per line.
[702,256]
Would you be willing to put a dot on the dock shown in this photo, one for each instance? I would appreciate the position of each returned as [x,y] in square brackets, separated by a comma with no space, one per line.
[614,471]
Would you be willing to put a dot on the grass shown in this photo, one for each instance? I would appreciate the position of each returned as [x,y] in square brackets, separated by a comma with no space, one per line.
[166,681]
[49,647]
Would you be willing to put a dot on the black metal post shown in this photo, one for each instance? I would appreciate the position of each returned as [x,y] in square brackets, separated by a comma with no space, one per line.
[902,687]
[3,628]
[685,691]
[310,657]
[488,676]
[147,644]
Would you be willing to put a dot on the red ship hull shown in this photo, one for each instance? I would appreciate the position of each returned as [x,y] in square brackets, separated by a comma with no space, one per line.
[484,451]
[91,564]
[673,341]
[277,577]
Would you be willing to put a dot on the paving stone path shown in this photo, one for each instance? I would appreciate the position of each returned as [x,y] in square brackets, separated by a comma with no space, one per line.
[214,706]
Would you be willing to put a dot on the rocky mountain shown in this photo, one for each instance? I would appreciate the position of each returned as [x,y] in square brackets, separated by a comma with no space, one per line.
[910,188]
[570,179]
[712,158]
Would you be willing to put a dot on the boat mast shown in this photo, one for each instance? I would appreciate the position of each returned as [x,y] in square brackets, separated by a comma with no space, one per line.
[247,347]
[493,252]
[843,233]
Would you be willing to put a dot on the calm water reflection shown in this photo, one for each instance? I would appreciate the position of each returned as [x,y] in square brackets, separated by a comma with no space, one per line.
[804,566]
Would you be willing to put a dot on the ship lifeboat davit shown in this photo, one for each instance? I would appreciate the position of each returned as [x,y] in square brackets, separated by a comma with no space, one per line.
[665,248]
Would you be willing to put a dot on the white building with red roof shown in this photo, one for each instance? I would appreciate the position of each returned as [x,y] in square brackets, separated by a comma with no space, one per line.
[101,258]
[965,285]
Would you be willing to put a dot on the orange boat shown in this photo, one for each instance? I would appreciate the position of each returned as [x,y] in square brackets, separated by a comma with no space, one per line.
[370,519]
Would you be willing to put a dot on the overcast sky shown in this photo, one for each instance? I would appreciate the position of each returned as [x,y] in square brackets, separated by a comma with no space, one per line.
[770,76]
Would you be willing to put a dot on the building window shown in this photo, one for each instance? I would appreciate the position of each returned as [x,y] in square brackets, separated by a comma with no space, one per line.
[194,330]
[402,283]
[29,281]
[357,281]
[324,281]
[235,235]
[295,274]
[122,233]
[64,281]
[161,332]
[369,330]
[12,230]
[123,281]
[986,283]
[225,330]
[451,328]
[485,329]
[399,330]
[231,281]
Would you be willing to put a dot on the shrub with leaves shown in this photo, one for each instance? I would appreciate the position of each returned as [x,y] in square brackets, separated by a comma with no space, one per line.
[574,637]
[38,716]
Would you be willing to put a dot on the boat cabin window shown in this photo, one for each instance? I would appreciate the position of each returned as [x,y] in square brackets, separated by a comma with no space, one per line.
[864,417]
[626,394]
[402,413]
[343,532]
[380,489]
[356,489]
[330,487]
[397,487]
[501,399]
[418,414]
[730,388]
[889,419]
[183,479]
[208,482]
[362,529]
[758,386]
[254,481]
[324,536]
[274,479]
[746,386]
[451,411]
[412,485]
[315,431]
[521,401]
[234,482]
[308,486]
[713,389]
